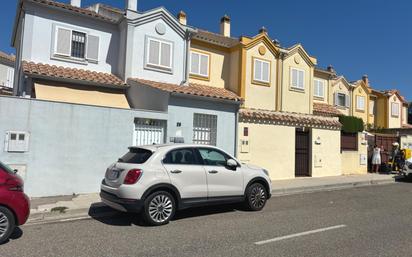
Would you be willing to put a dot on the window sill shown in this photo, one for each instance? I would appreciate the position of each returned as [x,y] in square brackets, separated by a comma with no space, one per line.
[320,98]
[72,60]
[358,110]
[341,107]
[158,69]
[296,89]
[199,77]
[261,83]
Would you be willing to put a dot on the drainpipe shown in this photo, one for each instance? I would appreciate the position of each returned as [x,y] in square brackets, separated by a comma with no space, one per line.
[188,37]
[236,132]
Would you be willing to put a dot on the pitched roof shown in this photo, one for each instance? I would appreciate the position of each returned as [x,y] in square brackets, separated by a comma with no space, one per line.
[191,89]
[9,58]
[74,9]
[289,119]
[70,74]
[324,109]
[215,38]
[392,92]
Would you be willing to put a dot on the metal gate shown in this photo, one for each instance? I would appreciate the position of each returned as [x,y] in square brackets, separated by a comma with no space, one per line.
[148,132]
[302,151]
[384,141]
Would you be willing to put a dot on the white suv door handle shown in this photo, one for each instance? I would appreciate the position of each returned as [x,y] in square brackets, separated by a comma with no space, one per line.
[212,171]
[176,171]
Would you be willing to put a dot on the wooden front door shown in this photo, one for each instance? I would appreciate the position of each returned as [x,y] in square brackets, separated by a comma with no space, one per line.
[302,151]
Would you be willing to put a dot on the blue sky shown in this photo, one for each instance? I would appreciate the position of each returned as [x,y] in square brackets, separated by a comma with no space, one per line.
[356,36]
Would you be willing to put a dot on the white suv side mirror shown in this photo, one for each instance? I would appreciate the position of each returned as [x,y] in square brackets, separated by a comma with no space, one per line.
[231,163]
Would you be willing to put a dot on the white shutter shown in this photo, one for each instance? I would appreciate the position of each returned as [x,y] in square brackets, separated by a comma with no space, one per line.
[92,48]
[347,100]
[265,71]
[194,63]
[294,78]
[63,41]
[258,70]
[204,65]
[154,52]
[335,98]
[301,79]
[165,54]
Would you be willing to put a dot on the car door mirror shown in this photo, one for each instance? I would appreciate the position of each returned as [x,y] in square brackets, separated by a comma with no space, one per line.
[232,164]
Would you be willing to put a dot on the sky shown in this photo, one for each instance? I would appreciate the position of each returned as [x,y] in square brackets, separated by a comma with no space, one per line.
[356,37]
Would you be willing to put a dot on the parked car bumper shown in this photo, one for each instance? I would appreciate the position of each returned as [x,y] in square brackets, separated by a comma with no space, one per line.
[21,207]
[121,204]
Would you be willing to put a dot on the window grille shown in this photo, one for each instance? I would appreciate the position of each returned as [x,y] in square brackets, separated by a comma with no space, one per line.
[204,129]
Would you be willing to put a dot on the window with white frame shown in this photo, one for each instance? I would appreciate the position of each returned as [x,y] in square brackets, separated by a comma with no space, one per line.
[395,109]
[360,103]
[261,69]
[199,64]
[159,54]
[297,78]
[204,129]
[342,100]
[17,141]
[319,88]
[76,44]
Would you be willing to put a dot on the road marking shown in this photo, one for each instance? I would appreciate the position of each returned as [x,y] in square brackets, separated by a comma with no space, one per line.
[299,234]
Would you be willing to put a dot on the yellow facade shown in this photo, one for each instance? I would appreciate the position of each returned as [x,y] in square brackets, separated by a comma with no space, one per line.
[325,152]
[355,162]
[394,119]
[359,92]
[294,99]
[372,110]
[325,78]
[391,111]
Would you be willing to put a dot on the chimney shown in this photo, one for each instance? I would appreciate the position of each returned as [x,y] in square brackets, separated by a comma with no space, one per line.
[225,26]
[330,68]
[181,16]
[263,30]
[76,3]
[365,79]
[131,5]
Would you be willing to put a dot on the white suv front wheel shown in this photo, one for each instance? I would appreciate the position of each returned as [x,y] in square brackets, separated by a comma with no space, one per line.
[256,197]
[159,208]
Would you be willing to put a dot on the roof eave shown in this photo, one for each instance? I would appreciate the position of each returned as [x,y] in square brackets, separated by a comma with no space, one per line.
[77,81]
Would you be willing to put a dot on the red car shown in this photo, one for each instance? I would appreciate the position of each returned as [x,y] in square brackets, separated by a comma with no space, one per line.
[14,203]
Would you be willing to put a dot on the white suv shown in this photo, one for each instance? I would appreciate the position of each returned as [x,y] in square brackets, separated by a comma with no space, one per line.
[160,179]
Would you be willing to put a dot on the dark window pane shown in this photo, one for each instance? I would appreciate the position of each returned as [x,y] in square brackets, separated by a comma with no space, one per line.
[136,155]
[180,156]
[13,136]
[21,137]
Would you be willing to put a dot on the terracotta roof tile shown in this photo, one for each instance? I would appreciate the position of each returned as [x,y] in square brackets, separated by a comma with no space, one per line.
[74,9]
[6,90]
[291,119]
[324,109]
[191,89]
[59,72]
[215,38]
[409,126]
[10,58]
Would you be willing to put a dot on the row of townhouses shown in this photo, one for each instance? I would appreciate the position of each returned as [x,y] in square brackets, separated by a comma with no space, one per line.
[91,81]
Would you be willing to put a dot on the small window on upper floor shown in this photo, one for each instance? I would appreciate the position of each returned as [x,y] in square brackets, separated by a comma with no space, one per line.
[297,79]
[360,103]
[319,88]
[342,100]
[75,45]
[199,64]
[395,109]
[261,70]
[372,109]
[159,54]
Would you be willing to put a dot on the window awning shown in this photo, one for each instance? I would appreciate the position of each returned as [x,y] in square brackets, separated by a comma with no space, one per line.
[81,95]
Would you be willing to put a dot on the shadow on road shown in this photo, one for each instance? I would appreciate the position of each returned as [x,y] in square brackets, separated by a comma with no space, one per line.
[115,218]
[17,233]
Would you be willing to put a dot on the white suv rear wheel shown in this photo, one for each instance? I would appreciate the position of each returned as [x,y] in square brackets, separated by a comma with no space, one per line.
[159,208]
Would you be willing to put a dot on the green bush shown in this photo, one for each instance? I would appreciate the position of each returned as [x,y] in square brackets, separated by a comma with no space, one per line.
[351,124]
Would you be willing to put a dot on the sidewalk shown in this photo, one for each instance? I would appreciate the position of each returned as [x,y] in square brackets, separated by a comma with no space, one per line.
[309,184]
[62,208]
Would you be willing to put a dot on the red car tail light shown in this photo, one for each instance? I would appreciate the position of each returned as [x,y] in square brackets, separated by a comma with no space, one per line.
[14,185]
[132,176]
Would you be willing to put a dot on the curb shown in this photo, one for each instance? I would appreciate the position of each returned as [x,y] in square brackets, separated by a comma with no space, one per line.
[100,210]
[329,187]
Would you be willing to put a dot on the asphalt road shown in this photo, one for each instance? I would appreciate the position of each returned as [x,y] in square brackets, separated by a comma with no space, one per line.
[365,221]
